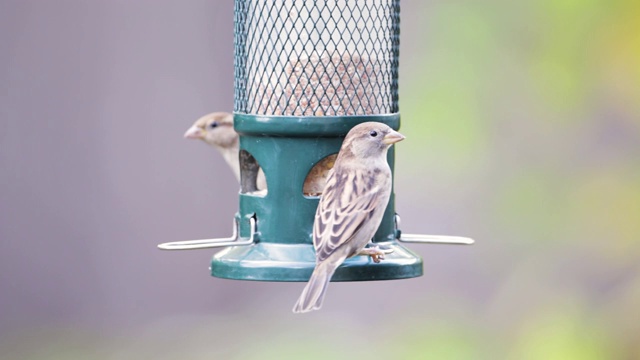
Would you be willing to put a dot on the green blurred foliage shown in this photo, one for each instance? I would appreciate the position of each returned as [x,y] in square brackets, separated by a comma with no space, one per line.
[563,334]
[542,100]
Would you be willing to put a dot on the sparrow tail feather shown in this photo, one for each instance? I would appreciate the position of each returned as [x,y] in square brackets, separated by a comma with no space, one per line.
[313,294]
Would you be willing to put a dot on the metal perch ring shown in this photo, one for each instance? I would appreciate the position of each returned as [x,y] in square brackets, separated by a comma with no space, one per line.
[234,240]
[431,239]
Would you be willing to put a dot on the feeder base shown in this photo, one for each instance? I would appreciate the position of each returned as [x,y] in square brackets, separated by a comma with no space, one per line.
[295,262]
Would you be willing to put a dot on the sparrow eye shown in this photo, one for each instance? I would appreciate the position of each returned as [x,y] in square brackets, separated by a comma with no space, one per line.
[213,125]
[373,133]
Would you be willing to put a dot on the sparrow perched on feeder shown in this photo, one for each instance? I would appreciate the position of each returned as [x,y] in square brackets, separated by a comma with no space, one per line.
[351,207]
[216,129]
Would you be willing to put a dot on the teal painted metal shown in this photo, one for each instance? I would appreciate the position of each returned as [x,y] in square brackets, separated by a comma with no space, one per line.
[295,262]
[307,126]
[287,148]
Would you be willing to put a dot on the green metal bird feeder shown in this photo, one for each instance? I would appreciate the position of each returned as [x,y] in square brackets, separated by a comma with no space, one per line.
[306,72]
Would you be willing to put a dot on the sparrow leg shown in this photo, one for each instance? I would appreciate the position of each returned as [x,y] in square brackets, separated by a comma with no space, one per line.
[375,252]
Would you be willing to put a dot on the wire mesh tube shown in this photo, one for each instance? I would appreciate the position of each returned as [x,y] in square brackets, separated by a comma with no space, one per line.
[316,58]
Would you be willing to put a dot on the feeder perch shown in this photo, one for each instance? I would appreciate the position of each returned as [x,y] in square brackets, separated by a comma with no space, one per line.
[306,72]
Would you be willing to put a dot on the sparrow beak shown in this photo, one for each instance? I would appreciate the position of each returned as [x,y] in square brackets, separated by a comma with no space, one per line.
[392,137]
[194,132]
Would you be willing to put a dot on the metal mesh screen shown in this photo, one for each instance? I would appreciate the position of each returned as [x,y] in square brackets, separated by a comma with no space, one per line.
[316,58]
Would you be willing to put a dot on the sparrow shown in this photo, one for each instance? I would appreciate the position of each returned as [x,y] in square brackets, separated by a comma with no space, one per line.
[216,129]
[351,206]
[317,178]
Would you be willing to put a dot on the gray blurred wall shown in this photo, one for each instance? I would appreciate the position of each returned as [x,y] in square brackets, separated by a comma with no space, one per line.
[94,98]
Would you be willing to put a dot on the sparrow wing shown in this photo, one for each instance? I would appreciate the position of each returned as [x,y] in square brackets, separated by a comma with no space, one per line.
[347,204]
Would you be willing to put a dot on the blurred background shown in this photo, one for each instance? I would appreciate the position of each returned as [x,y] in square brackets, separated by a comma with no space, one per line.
[523,132]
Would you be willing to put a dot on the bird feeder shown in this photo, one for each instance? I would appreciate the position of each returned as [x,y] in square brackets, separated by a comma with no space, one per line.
[306,72]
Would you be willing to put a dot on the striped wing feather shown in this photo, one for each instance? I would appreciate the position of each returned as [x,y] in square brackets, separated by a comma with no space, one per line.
[342,211]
